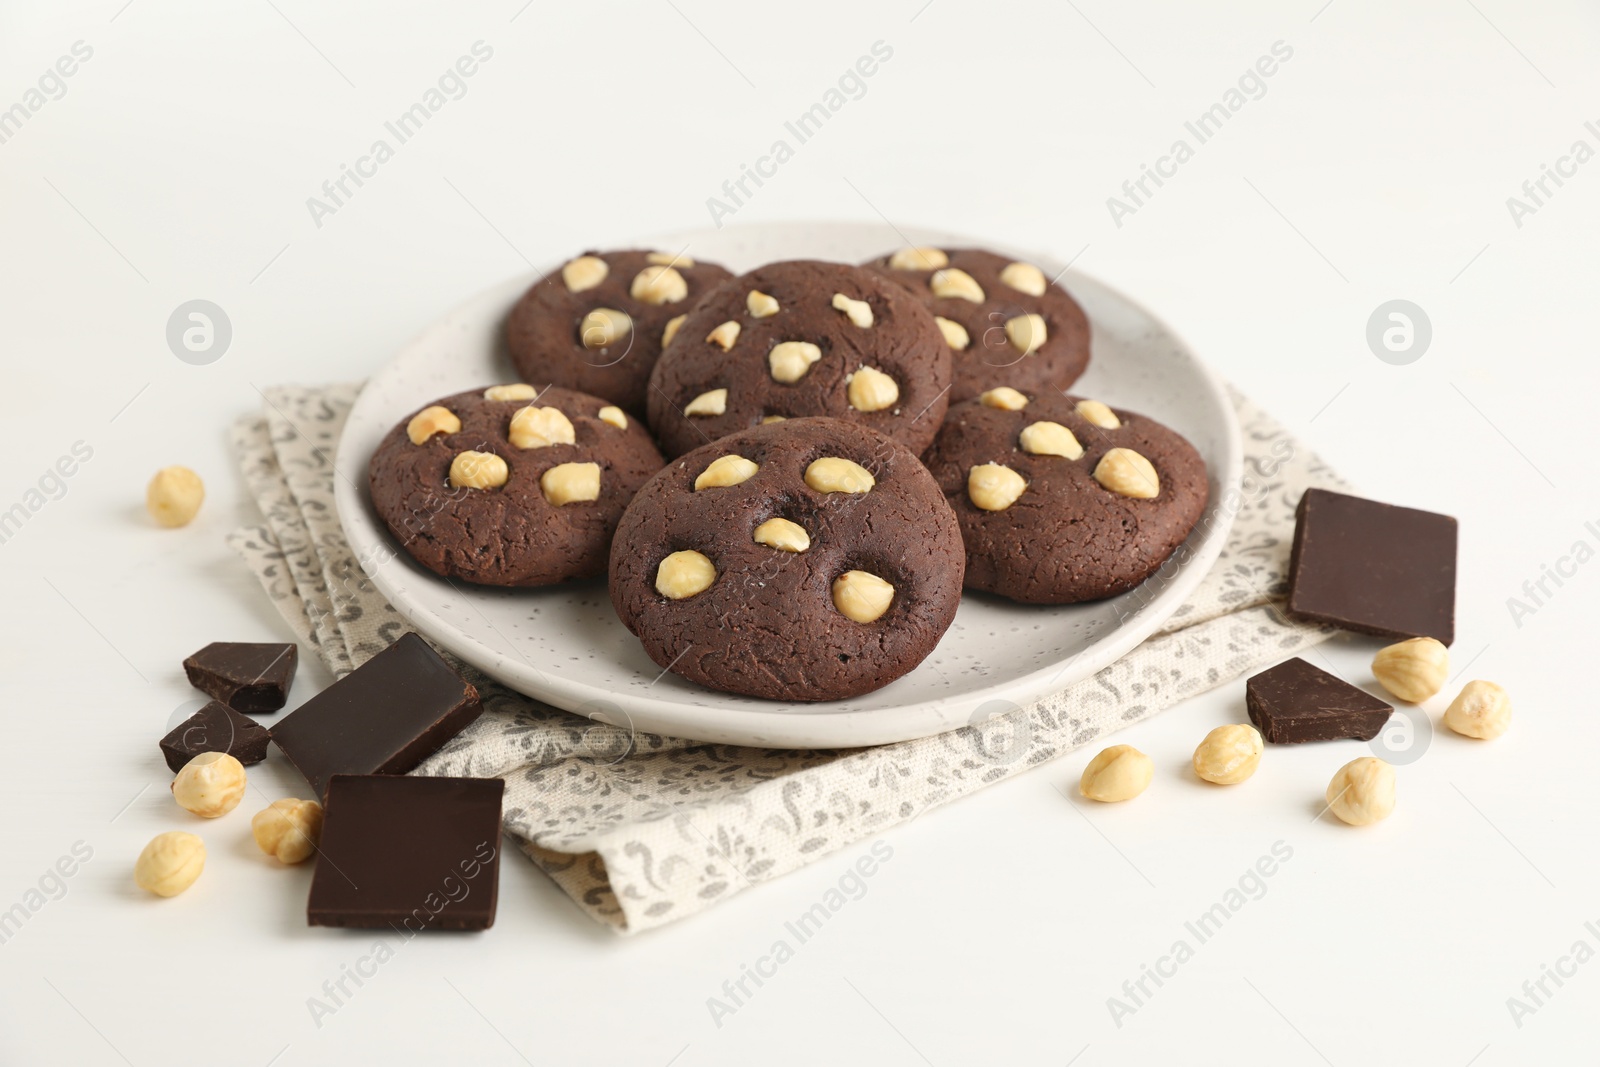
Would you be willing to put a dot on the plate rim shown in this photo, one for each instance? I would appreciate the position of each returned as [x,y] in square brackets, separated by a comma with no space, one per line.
[776,723]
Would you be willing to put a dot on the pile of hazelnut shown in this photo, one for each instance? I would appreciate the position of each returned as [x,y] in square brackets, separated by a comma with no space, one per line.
[211,785]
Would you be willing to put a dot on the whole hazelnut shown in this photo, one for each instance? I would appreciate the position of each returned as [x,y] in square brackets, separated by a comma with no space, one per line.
[1120,772]
[1412,670]
[174,495]
[1229,754]
[288,830]
[1481,710]
[170,863]
[210,785]
[1362,792]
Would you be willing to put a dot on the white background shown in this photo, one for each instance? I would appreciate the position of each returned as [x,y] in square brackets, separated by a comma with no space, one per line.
[1377,165]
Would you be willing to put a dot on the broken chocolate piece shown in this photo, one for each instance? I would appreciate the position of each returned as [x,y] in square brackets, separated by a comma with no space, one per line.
[1373,568]
[215,728]
[247,676]
[408,852]
[1295,702]
[384,717]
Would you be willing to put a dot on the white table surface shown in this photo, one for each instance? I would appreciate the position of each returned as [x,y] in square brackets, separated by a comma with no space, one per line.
[1376,166]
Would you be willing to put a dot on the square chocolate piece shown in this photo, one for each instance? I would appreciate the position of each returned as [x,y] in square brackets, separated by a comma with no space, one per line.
[246,676]
[384,717]
[408,853]
[1373,568]
[215,728]
[1295,702]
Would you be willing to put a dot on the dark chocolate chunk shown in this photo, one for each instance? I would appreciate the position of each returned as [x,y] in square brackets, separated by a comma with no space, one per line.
[384,717]
[408,852]
[1373,568]
[246,676]
[1296,702]
[215,728]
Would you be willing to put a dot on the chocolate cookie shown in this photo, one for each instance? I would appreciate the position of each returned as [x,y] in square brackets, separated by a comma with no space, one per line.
[1062,499]
[598,324]
[812,559]
[1006,322]
[509,485]
[802,338]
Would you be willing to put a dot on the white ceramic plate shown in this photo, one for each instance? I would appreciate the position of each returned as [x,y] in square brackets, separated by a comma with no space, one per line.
[566,646]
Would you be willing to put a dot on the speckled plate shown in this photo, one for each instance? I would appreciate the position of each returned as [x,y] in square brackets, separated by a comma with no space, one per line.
[566,646]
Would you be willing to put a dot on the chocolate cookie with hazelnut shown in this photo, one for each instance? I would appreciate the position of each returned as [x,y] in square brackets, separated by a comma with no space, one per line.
[1005,321]
[511,485]
[599,323]
[1062,499]
[796,339]
[810,559]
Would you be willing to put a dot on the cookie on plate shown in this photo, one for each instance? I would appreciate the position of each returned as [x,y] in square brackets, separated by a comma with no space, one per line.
[510,485]
[811,559]
[802,338]
[598,324]
[1005,321]
[1062,499]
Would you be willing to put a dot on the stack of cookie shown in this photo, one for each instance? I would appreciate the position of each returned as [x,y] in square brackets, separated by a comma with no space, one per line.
[847,448]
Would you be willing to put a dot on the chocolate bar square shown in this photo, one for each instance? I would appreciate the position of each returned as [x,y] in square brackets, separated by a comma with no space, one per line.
[408,854]
[1373,568]
[384,717]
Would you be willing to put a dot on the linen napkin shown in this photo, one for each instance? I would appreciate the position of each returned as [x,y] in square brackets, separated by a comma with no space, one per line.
[641,830]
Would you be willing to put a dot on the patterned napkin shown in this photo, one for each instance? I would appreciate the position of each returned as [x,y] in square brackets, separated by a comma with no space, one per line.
[639,829]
